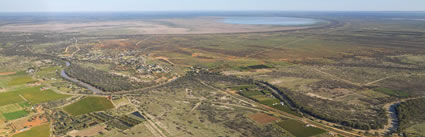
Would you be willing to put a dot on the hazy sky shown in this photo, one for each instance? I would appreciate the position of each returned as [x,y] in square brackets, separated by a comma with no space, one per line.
[183,5]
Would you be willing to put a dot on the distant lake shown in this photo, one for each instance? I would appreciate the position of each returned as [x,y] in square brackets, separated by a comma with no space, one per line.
[284,21]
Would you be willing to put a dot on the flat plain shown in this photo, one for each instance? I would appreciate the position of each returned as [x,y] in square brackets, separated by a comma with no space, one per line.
[197,77]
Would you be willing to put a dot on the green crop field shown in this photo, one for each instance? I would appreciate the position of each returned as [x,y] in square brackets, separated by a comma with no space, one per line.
[10,97]
[40,131]
[24,104]
[392,92]
[19,79]
[32,94]
[299,129]
[89,104]
[263,97]
[35,96]
[286,109]
[15,115]
[251,93]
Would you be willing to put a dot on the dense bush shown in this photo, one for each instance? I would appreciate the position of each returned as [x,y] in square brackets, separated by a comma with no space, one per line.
[411,112]
[355,116]
[103,80]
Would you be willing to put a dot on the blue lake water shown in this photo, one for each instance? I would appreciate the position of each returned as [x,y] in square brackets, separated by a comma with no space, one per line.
[284,21]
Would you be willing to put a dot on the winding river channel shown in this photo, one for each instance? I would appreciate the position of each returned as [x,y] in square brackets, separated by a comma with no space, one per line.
[81,83]
[393,121]
[393,118]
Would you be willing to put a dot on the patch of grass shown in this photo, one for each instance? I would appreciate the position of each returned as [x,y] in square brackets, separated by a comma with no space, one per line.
[89,104]
[299,129]
[418,129]
[256,67]
[261,98]
[40,131]
[251,93]
[48,72]
[242,87]
[285,108]
[392,92]
[412,59]
[24,104]
[15,115]
[20,80]
[2,119]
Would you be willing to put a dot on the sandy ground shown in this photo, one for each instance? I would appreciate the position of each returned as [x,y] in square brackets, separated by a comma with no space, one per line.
[36,121]
[20,123]
[202,25]
[4,131]
[92,131]
[318,96]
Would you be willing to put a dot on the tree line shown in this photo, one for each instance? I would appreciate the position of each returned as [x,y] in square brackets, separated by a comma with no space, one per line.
[410,113]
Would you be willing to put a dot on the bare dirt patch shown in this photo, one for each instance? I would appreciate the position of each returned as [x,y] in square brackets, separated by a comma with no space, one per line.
[35,121]
[164,59]
[262,118]
[318,96]
[92,131]
[4,130]
[19,124]
[117,44]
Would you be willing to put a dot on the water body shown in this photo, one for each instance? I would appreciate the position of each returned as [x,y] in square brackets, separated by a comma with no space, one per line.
[88,86]
[394,118]
[282,21]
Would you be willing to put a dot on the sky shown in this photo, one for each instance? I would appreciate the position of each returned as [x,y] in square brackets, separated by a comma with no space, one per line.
[208,5]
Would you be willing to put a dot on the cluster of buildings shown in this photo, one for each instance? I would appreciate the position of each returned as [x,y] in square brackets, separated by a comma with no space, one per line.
[127,58]
[152,68]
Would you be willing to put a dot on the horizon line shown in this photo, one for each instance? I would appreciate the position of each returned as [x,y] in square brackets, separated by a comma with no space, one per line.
[135,11]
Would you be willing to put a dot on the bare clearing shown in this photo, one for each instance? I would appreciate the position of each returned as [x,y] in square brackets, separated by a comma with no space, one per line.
[262,118]
[92,131]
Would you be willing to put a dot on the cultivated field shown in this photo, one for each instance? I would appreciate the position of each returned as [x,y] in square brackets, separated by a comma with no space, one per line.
[19,78]
[32,94]
[40,131]
[299,129]
[89,104]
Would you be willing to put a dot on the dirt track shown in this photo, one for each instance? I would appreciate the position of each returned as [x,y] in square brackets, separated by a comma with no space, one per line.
[6,73]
